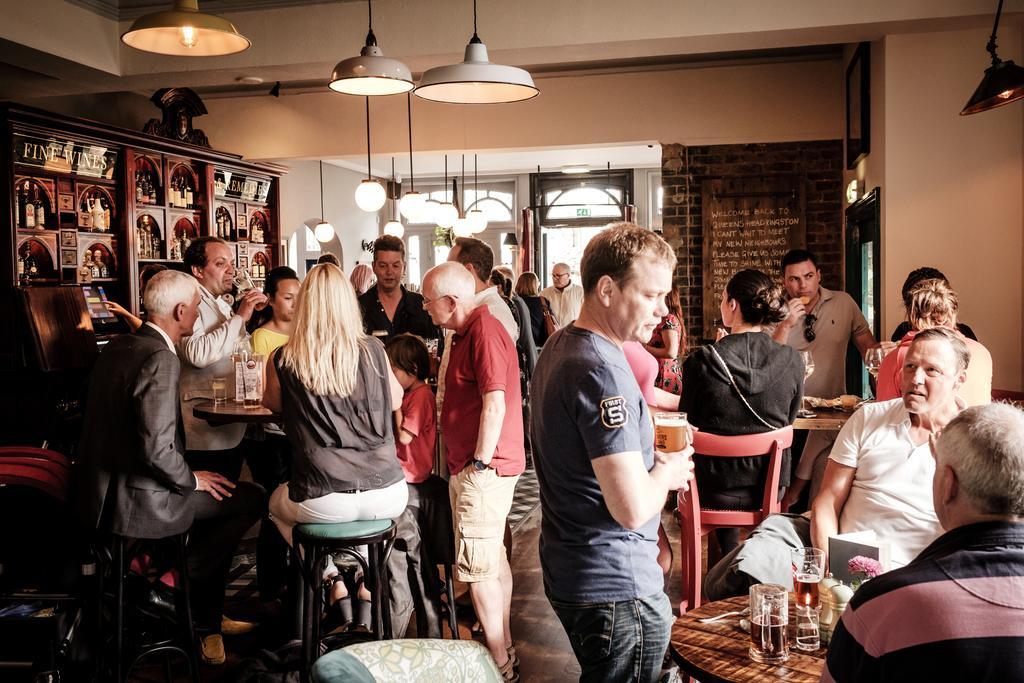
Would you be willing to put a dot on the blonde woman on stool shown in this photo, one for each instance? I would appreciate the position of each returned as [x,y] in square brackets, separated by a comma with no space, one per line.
[334,387]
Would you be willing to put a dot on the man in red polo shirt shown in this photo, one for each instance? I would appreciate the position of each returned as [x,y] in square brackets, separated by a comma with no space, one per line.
[483,429]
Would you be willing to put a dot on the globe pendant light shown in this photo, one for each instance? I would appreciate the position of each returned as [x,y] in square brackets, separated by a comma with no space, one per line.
[446,212]
[394,227]
[371,73]
[324,231]
[477,218]
[185,32]
[475,80]
[370,195]
[412,203]
[1002,83]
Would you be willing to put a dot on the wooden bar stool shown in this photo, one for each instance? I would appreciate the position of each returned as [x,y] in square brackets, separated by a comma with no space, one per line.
[183,644]
[313,542]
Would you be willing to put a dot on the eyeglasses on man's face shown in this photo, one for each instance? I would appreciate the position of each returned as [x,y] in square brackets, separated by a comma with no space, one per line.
[429,302]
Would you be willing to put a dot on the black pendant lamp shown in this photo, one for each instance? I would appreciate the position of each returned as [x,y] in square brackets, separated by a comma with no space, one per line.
[1002,83]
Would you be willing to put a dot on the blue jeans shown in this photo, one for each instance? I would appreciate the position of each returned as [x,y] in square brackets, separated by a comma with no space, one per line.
[618,641]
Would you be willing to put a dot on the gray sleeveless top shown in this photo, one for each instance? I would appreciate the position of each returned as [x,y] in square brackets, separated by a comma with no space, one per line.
[341,444]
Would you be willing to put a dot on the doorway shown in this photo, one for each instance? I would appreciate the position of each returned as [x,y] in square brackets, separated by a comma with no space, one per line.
[863,276]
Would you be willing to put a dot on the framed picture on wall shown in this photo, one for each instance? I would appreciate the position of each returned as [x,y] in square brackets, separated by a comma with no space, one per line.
[68,238]
[858,106]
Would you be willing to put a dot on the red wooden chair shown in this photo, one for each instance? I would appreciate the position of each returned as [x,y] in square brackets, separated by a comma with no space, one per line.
[30,452]
[695,522]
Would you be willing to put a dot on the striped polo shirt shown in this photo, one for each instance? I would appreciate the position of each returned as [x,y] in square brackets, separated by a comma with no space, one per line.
[955,613]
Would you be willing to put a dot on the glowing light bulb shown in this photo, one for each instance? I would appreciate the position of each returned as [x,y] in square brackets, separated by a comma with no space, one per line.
[411,205]
[324,231]
[1005,95]
[461,228]
[188,36]
[370,196]
[477,220]
[446,215]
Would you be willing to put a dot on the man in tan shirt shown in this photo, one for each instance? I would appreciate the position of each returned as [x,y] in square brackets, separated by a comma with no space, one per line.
[565,298]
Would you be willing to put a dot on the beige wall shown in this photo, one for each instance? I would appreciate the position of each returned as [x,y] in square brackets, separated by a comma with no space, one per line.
[300,204]
[953,192]
[746,103]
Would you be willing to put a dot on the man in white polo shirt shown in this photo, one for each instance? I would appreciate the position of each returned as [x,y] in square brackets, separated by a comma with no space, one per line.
[878,475]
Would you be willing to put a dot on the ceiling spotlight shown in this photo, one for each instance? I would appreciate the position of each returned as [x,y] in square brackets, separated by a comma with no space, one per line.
[575,168]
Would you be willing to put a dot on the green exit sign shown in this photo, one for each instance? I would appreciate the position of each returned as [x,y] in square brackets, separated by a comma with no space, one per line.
[582,213]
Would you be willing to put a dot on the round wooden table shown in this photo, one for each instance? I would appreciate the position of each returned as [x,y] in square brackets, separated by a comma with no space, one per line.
[719,651]
[824,420]
[229,412]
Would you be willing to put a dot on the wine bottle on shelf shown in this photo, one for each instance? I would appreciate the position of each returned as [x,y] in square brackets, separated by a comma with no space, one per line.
[21,267]
[94,268]
[101,266]
[30,213]
[19,216]
[31,269]
[40,210]
[151,188]
[106,213]
[189,196]
[173,199]
[139,195]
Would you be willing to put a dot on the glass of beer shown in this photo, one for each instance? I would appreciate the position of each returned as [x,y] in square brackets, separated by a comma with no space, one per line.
[220,390]
[808,571]
[769,618]
[671,432]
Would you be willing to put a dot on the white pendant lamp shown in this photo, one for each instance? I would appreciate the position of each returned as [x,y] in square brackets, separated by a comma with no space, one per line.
[477,218]
[394,227]
[371,73]
[446,211]
[324,231]
[370,195]
[476,80]
[462,228]
[185,32]
[411,205]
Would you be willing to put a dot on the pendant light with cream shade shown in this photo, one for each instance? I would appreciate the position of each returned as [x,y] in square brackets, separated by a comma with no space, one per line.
[370,195]
[324,231]
[394,227]
[476,80]
[184,31]
[371,73]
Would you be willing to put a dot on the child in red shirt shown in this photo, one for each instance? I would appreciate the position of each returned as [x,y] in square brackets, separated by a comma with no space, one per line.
[425,528]
[416,422]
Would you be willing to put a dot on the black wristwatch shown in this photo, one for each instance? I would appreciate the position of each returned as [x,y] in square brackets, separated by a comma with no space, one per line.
[480,465]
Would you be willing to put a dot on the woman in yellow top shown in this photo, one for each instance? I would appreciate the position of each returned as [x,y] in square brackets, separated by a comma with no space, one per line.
[274,324]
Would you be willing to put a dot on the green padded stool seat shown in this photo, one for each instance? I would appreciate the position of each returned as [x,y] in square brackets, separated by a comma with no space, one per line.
[343,531]
[312,543]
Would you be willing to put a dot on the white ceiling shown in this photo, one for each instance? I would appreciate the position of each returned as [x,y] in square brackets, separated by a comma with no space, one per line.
[499,162]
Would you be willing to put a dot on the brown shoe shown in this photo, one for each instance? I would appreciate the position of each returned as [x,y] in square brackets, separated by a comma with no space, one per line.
[230,627]
[511,649]
[508,672]
[211,647]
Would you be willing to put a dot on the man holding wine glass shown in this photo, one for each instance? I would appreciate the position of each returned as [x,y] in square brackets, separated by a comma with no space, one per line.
[822,322]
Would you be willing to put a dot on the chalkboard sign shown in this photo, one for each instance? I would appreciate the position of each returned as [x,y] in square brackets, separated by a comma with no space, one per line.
[748,223]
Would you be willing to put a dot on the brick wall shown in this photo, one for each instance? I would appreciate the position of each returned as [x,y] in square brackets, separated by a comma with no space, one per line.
[819,163]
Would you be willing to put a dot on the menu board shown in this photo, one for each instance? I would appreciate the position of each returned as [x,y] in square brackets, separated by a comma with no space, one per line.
[748,223]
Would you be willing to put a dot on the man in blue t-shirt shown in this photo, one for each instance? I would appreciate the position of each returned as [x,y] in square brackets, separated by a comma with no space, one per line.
[602,484]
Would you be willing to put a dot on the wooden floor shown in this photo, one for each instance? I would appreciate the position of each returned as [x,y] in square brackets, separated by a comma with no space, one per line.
[540,640]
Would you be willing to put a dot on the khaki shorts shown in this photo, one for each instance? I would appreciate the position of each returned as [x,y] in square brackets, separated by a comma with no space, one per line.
[481,501]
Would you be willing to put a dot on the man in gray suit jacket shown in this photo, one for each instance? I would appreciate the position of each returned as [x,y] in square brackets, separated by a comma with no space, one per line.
[132,477]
